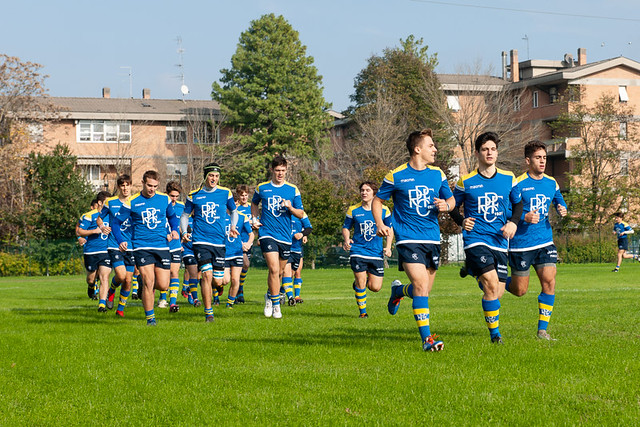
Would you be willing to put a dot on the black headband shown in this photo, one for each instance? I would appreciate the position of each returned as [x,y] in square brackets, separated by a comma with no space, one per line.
[210,168]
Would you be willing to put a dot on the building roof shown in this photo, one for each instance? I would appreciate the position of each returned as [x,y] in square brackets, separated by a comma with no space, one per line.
[135,109]
[471,82]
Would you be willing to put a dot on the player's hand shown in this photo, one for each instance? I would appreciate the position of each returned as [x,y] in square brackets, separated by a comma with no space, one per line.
[305,239]
[383,230]
[562,210]
[387,252]
[186,237]
[246,246]
[82,241]
[105,229]
[441,204]
[123,247]
[286,204]
[233,232]
[509,229]
[298,236]
[532,217]
[346,245]
[174,235]
[468,223]
[255,223]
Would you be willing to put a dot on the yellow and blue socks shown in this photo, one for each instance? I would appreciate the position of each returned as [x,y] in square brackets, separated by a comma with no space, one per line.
[163,296]
[230,301]
[174,286]
[287,284]
[492,316]
[361,300]
[151,317]
[134,285]
[243,276]
[124,295]
[208,313]
[545,308]
[403,291]
[420,307]
[297,286]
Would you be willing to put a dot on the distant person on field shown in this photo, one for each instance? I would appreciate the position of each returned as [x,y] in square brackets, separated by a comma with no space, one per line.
[292,276]
[533,242]
[366,251]
[622,230]
[420,192]
[242,200]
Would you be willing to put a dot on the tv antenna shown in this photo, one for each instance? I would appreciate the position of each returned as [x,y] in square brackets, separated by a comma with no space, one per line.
[183,87]
[130,80]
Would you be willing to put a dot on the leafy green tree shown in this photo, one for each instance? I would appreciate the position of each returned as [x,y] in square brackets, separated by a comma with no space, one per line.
[272,97]
[59,194]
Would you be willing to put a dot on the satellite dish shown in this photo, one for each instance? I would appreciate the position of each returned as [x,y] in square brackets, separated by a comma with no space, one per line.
[184,89]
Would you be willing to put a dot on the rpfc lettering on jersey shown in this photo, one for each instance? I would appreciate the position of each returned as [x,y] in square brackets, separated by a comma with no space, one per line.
[539,203]
[274,204]
[368,230]
[227,229]
[150,218]
[420,198]
[209,211]
[489,205]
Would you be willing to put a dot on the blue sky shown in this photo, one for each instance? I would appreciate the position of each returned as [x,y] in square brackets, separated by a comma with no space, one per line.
[83,45]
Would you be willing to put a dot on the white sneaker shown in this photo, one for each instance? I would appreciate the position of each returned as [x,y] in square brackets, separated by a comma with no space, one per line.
[163,303]
[268,306]
[396,283]
[277,314]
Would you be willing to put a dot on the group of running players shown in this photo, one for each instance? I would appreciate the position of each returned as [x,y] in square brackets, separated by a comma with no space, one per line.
[505,221]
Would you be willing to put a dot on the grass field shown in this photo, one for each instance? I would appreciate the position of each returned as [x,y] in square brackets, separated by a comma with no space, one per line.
[61,362]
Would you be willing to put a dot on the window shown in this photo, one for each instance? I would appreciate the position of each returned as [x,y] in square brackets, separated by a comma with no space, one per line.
[535,99]
[453,102]
[92,172]
[622,91]
[205,133]
[176,171]
[553,94]
[623,130]
[624,165]
[103,131]
[516,103]
[176,135]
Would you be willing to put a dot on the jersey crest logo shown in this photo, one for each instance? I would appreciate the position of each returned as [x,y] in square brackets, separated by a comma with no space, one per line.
[368,230]
[102,235]
[539,202]
[274,204]
[489,205]
[227,229]
[150,218]
[209,211]
[420,198]
[125,225]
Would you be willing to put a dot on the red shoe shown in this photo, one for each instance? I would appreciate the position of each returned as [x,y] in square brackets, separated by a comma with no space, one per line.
[119,313]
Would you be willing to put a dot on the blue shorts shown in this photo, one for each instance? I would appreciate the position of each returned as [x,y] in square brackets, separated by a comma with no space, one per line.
[623,244]
[118,258]
[481,259]
[189,259]
[268,244]
[427,254]
[233,262]
[541,257]
[294,260]
[373,266]
[93,261]
[176,256]
[158,257]
[206,254]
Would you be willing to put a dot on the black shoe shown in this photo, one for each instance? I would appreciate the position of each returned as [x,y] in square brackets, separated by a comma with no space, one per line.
[135,296]
[497,340]
[363,315]
[174,308]
[102,309]
[91,291]
[292,302]
[463,272]
[240,299]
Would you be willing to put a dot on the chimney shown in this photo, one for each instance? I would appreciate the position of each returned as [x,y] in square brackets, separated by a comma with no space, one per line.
[106,92]
[504,65]
[515,67]
[582,56]
[146,93]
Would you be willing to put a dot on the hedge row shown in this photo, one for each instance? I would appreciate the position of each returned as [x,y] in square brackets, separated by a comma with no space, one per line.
[22,265]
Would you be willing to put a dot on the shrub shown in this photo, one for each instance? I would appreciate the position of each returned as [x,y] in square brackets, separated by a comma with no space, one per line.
[585,248]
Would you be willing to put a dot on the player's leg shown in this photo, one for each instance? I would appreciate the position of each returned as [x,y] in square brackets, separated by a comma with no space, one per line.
[297,282]
[103,274]
[360,289]
[493,290]
[422,279]
[119,277]
[135,284]
[174,281]
[246,262]
[287,282]
[234,273]
[146,290]
[546,299]
[125,290]
[192,268]
[91,280]
[273,281]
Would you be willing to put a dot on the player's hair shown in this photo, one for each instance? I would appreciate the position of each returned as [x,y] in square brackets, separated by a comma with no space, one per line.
[124,178]
[102,196]
[242,188]
[619,215]
[211,167]
[173,186]
[533,146]
[278,161]
[371,185]
[415,137]
[151,174]
[484,137]
[93,203]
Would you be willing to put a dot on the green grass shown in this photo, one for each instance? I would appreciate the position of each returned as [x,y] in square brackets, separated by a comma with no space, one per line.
[62,362]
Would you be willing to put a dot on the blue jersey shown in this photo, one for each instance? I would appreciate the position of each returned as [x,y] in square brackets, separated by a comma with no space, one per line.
[540,195]
[415,216]
[366,243]
[96,243]
[187,247]
[275,218]
[109,210]
[209,209]
[149,217]
[174,244]
[247,211]
[233,245]
[489,201]
[298,226]
[620,228]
